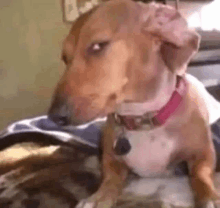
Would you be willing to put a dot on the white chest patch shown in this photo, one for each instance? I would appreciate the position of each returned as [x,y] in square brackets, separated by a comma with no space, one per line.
[150,151]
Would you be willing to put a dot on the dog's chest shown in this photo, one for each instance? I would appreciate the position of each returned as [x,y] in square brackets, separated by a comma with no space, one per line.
[150,152]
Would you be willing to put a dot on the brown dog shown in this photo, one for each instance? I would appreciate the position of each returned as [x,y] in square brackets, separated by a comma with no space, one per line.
[126,58]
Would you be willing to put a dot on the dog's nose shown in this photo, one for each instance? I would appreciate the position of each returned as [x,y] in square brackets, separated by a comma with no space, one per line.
[59,112]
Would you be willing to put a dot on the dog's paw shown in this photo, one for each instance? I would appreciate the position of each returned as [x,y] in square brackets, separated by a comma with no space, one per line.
[206,204]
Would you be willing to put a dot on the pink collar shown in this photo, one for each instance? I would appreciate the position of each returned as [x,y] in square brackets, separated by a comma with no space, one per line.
[134,122]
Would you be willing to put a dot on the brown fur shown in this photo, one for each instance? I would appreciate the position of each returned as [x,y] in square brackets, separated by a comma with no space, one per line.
[147,46]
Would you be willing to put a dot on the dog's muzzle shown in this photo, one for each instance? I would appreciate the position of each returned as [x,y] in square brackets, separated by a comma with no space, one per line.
[59,112]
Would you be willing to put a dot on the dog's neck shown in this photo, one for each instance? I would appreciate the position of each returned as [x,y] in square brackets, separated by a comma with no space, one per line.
[134,121]
[140,108]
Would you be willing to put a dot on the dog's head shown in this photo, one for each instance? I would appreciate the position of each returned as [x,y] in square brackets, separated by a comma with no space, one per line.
[120,52]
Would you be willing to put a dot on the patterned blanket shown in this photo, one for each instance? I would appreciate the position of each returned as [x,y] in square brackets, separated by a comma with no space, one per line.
[43,165]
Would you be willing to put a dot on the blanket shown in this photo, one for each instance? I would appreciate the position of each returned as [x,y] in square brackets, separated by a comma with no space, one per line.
[45,165]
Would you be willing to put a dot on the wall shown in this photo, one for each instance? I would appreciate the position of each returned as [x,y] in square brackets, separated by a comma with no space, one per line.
[31,38]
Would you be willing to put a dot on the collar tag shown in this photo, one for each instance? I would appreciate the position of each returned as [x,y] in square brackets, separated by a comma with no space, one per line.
[122,146]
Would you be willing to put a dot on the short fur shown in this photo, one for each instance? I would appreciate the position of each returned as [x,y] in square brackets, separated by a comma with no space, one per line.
[144,47]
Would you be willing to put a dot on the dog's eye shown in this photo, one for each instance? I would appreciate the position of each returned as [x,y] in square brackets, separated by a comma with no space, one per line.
[97,47]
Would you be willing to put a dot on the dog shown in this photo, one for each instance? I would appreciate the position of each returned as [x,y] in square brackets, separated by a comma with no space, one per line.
[127,61]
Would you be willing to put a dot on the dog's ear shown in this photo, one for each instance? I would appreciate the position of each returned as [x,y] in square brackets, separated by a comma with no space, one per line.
[179,43]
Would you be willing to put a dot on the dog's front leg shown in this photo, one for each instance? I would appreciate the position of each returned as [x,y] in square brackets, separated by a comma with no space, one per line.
[201,176]
[114,174]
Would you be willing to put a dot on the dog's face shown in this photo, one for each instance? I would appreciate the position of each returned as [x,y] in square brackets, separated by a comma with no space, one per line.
[119,52]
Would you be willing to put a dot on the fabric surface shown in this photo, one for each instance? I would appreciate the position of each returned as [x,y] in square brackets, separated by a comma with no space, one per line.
[43,165]
[43,175]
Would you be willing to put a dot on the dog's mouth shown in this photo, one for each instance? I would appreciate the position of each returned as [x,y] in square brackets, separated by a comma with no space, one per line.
[72,120]
[78,110]
[64,115]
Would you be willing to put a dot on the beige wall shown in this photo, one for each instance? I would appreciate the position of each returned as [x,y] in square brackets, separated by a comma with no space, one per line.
[31,34]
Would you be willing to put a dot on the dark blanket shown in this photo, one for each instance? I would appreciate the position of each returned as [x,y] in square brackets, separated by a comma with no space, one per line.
[41,130]
[43,165]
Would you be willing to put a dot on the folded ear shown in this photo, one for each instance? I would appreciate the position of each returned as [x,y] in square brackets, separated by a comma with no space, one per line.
[179,43]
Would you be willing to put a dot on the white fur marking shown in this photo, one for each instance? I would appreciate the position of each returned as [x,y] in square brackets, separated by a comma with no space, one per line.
[149,157]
